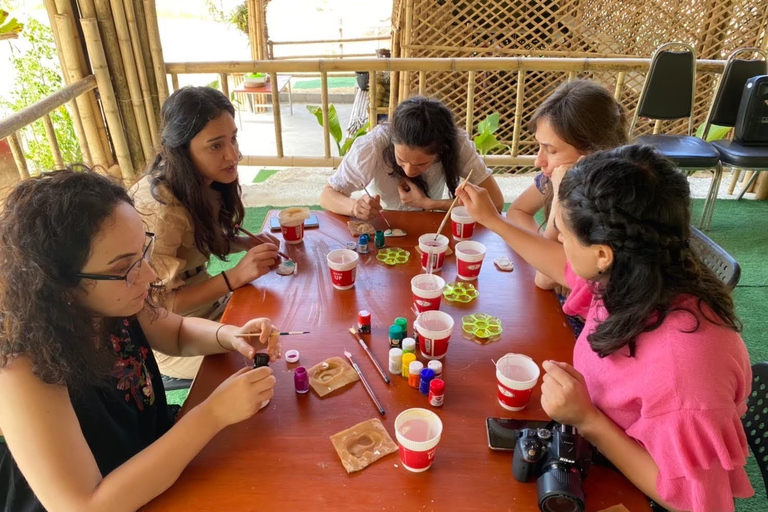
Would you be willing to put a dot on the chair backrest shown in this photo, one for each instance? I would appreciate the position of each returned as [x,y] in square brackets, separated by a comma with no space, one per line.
[715,257]
[725,103]
[669,86]
[752,120]
[755,421]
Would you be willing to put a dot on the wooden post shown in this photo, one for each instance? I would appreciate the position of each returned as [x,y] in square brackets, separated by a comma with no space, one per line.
[423,82]
[405,85]
[622,76]
[156,49]
[324,99]
[101,72]
[50,134]
[80,131]
[470,100]
[518,112]
[735,173]
[761,187]
[224,84]
[146,53]
[276,113]
[175,82]
[372,107]
[657,127]
[18,155]
[392,95]
[138,57]
[571,76]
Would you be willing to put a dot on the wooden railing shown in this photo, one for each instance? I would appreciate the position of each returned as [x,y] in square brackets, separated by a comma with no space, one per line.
[350,40]
[470,66]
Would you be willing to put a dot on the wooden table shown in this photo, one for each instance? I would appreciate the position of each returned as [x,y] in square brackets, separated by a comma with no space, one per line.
[282,458]
[282,82]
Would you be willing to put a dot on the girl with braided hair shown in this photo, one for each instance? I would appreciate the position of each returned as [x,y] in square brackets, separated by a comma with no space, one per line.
[660,375]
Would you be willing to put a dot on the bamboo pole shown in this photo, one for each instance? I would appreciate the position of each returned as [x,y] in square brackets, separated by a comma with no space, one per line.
[224,84]
[101,71]
[50,134]
[138,57]
[620,79]
[373,118]
[394,85]
[326,132]
[334,161]
[143,30]
[332,41]
[761,186]
[80,131]
[252,22]
[657,127]
[175,81]
[139,154]
[571,76]
[18,156]
[66,34]
[406,49]
[156,49]
[392,95]
[422,82]
[132,79]
[470,100]
[735,173]
[276,113]
[518,112]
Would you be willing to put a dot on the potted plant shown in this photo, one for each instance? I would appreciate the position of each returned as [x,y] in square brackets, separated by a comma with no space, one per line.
[255,79]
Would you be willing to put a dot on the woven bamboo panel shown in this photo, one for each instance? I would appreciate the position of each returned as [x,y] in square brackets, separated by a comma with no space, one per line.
[495,28]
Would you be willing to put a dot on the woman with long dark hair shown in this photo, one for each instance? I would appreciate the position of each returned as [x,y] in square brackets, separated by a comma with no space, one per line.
[660,375]
[83,417]
[408,164]
[190,199]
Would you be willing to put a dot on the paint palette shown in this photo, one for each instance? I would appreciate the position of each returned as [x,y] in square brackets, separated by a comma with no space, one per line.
[460,292]
[393,256]
[481,328]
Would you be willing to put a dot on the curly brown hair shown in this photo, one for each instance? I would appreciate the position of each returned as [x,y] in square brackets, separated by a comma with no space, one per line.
[46,230]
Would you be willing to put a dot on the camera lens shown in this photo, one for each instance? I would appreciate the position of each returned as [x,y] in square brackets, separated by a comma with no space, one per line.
[560,490]
[560,504]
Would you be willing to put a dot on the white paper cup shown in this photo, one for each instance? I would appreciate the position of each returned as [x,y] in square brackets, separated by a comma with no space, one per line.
[462,224]
[343,265]
[469,259]
[292,224]
[428,245]
[434,329]
[427,292]
[418,432]
[517,374]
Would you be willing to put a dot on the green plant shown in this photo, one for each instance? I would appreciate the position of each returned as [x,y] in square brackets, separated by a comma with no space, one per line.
[715,132]
[239,18]
[486,141]
[334,128]
[255,75]
[9,28]
[37,76]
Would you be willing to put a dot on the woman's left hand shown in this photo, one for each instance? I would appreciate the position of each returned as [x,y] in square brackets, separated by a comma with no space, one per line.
[269,336]
[266,238]
[411,194]
[564,394]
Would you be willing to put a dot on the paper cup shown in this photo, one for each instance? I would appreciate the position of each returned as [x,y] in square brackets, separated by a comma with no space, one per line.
[462,224]
[427,292]
[434,329]
[343,265]
[516,375]
[418,431]
[291,226]
[427,245]
[469,259]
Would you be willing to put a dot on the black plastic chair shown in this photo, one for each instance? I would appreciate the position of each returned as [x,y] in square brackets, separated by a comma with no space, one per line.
[715,257]
[723,112]
[668,93]
[173,383]
[755,421]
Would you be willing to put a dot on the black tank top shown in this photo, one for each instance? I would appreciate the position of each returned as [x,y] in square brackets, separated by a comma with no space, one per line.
[118,420]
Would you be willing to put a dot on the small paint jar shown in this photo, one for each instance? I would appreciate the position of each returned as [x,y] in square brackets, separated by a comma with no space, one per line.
[407,360]
[436,366]
[414,373]
[436,392]
[378,239]
[395,361]
[301,380]
[260,359]
[364,321]
[426,377]
[395,336]
[403,323]
[409,346]
[362,245]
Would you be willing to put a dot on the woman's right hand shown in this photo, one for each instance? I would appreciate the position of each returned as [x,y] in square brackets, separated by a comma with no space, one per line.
[367,207]
[478,203]
[256,262]
[240,396]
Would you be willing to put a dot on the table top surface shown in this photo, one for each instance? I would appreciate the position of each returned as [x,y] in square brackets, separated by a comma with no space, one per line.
[282,458]
[282,81]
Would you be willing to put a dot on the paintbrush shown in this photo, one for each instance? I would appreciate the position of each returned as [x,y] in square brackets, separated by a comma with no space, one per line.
[365,383]
[380,212]
[448,213]
[360,340]
[260,240]
[254,334]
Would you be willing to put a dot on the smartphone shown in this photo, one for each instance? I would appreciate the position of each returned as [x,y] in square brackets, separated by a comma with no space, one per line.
[502,432]
[311,222]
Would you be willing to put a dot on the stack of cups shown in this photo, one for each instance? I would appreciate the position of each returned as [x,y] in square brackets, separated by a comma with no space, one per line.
[517,375]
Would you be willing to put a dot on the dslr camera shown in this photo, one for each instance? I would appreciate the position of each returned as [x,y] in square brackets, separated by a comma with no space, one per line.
[560,458]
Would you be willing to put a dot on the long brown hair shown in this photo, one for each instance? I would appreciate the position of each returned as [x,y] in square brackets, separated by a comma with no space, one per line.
[185,114]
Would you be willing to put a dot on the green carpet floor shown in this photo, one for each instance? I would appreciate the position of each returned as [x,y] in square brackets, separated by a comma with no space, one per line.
[741,228]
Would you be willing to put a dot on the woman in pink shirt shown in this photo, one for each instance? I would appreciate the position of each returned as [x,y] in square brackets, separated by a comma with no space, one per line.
[660,376]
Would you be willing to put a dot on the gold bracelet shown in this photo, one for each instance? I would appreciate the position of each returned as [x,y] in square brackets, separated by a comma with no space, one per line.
[217,337]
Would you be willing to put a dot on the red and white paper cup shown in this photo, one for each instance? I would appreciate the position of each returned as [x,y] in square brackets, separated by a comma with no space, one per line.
[291,225]
[418,432]
[436,247]
[434,329]
[427,292]
[462,224]
[469,259]
[517,375]
[343,265]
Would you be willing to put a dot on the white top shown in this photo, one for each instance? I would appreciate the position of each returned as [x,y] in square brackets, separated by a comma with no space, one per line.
[365,165]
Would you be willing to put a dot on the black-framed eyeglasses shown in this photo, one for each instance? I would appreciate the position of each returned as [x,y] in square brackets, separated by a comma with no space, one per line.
[133,271]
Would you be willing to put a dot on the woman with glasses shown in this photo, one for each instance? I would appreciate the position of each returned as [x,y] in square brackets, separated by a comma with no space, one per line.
[191,199]
[83,416]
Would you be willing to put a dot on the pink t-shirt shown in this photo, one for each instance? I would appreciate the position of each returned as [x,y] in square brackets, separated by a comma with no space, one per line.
[681,397]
